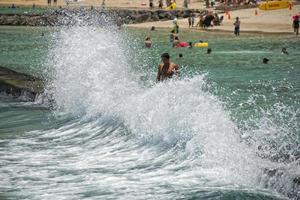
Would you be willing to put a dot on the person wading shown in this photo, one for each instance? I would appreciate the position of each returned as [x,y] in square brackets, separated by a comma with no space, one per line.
[167,69]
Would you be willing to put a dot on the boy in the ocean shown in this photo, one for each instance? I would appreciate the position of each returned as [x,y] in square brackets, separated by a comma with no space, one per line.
[167,69]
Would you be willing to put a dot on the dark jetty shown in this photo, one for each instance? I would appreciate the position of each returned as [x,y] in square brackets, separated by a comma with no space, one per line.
[20,85]
[66,17]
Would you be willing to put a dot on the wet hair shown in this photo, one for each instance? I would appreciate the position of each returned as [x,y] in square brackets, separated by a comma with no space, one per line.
[209,50]
[180,55]
[165,55]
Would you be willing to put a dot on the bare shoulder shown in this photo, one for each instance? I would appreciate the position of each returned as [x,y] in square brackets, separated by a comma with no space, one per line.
[160,66]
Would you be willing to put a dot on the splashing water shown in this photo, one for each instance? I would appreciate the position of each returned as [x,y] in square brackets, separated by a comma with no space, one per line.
[170,140]
[92,78]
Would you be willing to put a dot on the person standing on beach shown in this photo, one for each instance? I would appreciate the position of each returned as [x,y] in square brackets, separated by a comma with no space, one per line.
[160,4]
[176,26]
[207,3]
[166,69]
[190,21]
[151,4]
[296,25]
[237,25]
[193,19]
[185,3]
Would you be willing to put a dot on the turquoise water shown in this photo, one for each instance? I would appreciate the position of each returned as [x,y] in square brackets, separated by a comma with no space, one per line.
[115,134]
[25,10]
[23,48]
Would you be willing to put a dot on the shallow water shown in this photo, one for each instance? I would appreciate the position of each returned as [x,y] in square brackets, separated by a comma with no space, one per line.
[115,134]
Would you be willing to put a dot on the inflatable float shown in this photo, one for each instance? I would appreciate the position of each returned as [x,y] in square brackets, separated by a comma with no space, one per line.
[171,7]
[201,44]
[274,5]
[182,44]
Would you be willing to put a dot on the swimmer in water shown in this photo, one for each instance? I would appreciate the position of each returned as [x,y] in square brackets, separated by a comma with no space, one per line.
[265,60]
[148,42]
[209,51]
[167,69]
[284,51]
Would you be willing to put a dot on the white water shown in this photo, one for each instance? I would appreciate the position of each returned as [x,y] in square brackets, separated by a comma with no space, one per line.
[93,79]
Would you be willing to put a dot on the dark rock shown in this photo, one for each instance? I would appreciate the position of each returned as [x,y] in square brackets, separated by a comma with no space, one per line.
[154,16]
[70,16]
[18,84]
[162,15]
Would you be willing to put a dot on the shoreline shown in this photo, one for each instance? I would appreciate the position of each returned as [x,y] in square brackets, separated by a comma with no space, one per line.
[220,31]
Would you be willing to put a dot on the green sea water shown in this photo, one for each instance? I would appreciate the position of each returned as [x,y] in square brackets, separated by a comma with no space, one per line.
[25,10]
[262,100]
[235,71]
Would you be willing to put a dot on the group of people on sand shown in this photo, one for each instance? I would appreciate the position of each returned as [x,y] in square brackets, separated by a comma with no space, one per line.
[214,20]
[209,20]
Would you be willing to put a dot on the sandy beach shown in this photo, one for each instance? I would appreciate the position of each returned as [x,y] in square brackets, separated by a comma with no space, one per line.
[275,21]
[252,20]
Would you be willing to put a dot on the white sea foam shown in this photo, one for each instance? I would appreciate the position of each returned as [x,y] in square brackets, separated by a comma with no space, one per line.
[93,78]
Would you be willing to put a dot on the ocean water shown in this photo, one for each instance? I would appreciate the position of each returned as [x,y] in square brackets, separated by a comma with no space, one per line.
[227,128]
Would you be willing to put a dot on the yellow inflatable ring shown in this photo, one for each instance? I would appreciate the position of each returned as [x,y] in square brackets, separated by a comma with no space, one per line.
[201,44]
